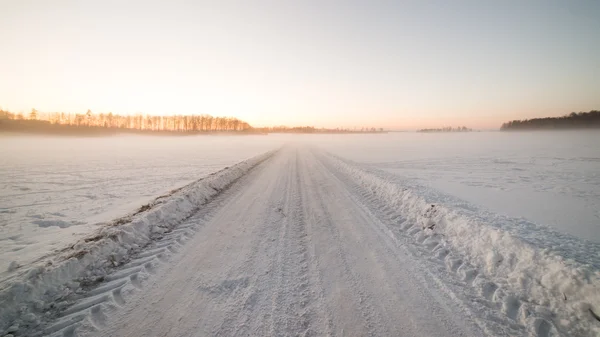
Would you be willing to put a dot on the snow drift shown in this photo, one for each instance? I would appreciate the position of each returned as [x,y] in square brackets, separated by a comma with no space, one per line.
[38,287]
[545,280]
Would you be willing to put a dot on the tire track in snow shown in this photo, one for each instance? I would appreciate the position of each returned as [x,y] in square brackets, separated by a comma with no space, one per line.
[249,276]
[500,312]
[360,301]
[398,262]
[291,308]
[298,306]
[233,289]
[247,314]
[321,320]
[110,293]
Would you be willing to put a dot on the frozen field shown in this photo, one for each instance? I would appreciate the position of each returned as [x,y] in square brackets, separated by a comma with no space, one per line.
[550,178]
[53,190]
[315,238]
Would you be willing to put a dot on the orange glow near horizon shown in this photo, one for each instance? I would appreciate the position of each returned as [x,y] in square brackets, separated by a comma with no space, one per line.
[392,65]
[350,121]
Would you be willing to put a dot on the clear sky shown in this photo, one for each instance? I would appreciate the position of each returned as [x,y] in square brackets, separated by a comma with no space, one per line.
[393,64]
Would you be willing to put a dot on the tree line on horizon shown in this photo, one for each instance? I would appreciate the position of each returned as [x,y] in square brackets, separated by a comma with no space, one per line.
[574,120]
[312,129]
[140,122]
[91,122]
[447,129]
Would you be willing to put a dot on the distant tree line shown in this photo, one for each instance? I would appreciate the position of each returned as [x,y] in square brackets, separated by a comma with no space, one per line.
[174,123]
[312,129]
[574,120]
[108,123]
[448,129]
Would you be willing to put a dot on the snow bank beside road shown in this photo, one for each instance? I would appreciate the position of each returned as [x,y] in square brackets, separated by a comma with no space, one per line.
[535,285]
[37,287]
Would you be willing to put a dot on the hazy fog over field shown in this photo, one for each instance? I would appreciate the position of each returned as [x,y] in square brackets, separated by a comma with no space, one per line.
[53,183]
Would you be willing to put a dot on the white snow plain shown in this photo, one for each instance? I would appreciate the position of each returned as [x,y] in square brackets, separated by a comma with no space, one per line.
[54,190]
[505,267]
[550,178]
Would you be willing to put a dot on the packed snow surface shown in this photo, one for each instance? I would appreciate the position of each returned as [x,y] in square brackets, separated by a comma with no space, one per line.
[398,234]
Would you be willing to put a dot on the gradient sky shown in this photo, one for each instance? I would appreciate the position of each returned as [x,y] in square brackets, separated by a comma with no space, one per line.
[392,64]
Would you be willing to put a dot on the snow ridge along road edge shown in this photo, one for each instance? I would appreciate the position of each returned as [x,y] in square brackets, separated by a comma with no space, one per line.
[547,293]
[39,287]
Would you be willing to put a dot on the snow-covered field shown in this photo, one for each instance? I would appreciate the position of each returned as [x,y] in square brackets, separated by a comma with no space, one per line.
[550,178]
[394,234]
[53,190]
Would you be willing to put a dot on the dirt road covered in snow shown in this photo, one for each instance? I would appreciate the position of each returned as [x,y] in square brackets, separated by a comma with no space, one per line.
[289,249]
[296,243]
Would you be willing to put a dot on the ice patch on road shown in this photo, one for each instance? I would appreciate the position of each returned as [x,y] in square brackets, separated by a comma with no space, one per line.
[531,268]
[37,287]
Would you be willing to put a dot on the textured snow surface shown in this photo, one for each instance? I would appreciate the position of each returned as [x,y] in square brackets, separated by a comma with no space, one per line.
[550,178]
[303,242]
[483,233]
[54,190]
[528,267]
[40,287]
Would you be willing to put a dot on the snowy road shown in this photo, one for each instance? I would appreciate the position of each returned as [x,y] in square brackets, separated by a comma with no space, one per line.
[300,242]
[289,250]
